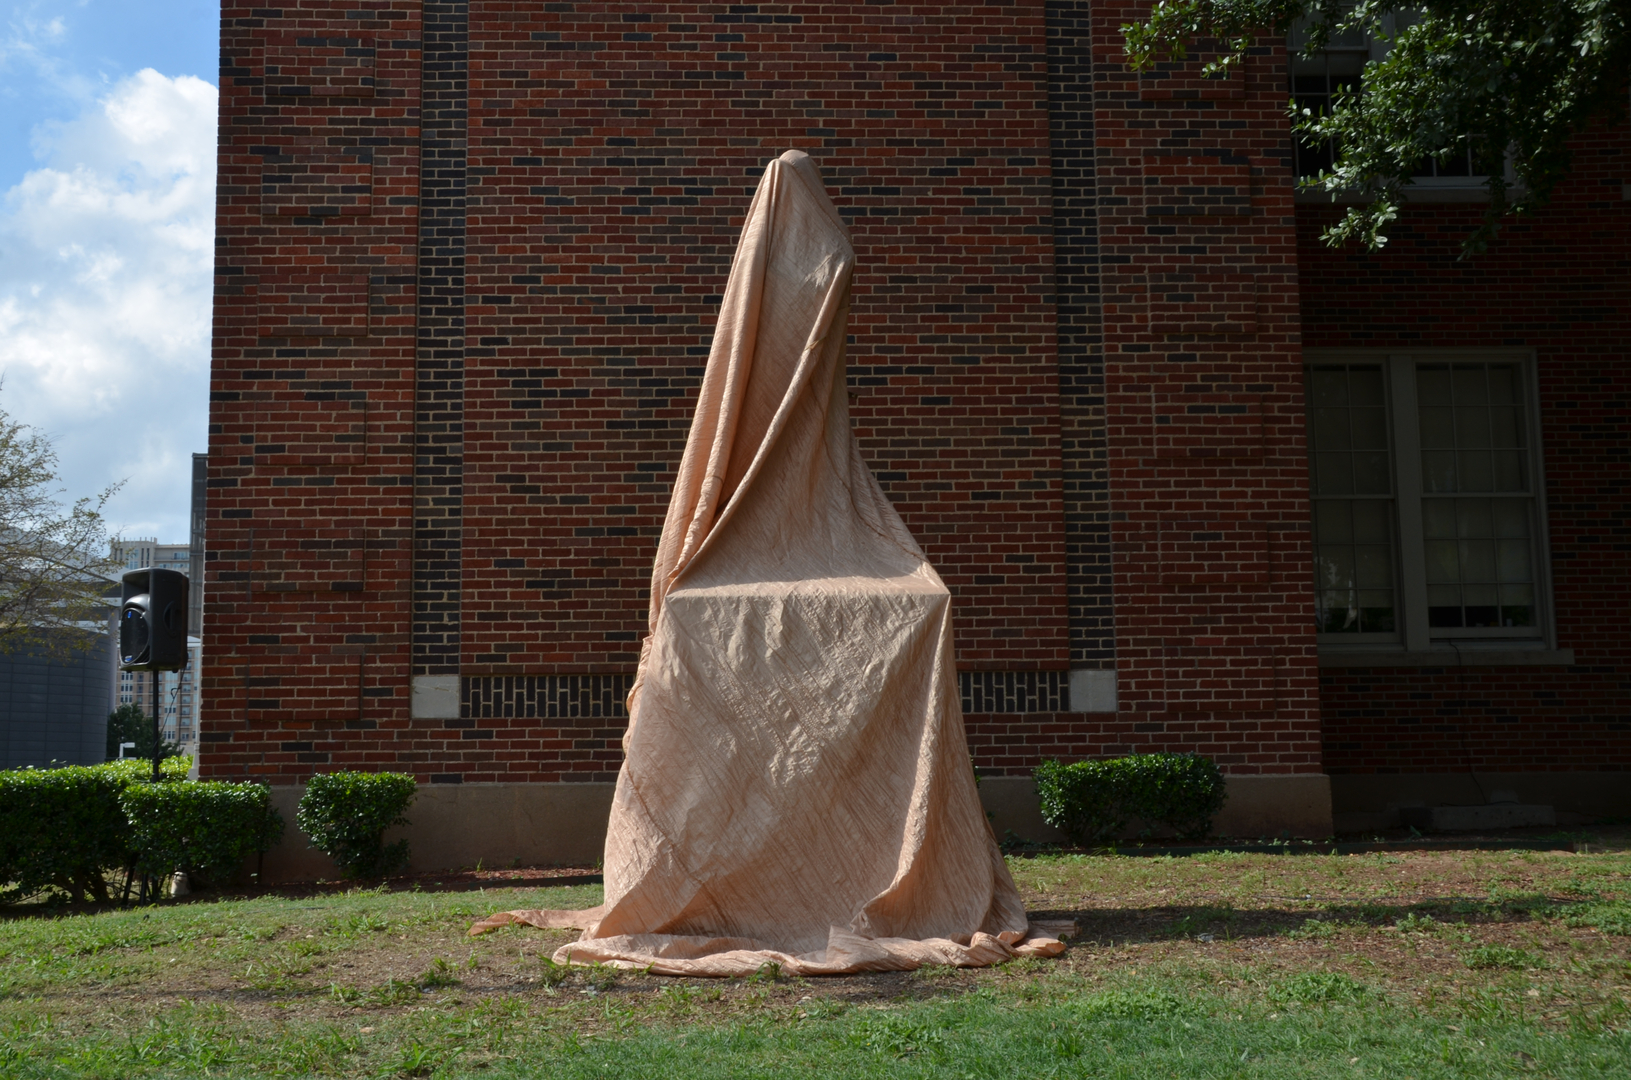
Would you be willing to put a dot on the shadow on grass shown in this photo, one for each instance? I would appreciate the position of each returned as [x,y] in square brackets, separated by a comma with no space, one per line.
[452,881]
[1133,926]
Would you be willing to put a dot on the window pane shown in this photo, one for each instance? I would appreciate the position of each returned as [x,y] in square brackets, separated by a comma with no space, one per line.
[1475,471]
[1369,429]
[1485,577]
[1504,428]
[1510,516]
[1472,518]
[1370,474]
[1371,522]
[1376,611]
[1514,561]
[1328,386]
[1373,567]
[1336,567]
[1471,427]
[1470,384]
[1346,404]
[1517,605]
[1443,565]
[1438,470]
[1438,518]
[1477,560]
[1437,427]
[1365,387]
[1333,615]
[1333,474]
[1333,521]
[1353,538]
[1471,407]
[1433,385]
[1503,385]
[1509,471]
[1330,428]
[1443,606]
[1353,582]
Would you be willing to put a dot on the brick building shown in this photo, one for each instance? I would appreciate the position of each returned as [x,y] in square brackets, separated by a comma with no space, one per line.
[469,256]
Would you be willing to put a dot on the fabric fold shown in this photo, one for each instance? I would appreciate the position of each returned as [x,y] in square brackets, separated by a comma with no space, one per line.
[796,785]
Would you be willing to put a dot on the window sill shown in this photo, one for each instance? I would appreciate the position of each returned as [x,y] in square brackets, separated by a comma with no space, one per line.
[1414,194]
[1465,657]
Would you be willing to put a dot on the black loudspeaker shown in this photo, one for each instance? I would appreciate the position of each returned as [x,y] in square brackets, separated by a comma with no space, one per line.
[153,621]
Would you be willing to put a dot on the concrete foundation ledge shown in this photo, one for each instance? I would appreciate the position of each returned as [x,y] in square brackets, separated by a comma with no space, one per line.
[498,825]
[459,825]
[1298,806]
[1366,802]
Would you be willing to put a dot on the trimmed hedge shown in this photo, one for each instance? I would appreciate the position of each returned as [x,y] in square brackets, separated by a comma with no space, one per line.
[67,828]
[205,829]
[1093,801]
[346,815]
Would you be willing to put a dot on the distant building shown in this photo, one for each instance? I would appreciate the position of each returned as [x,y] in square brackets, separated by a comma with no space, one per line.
[53,705]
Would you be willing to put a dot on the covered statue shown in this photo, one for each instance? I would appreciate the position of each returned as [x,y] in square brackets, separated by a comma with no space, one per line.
[796,786]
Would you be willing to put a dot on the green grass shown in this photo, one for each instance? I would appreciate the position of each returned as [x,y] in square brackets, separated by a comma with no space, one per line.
[1143,1028]
[1483,964]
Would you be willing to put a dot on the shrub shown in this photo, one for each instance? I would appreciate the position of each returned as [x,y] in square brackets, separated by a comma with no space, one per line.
[1094,800]
[204,829]
[1082,799]
[64,827]
[346,815]
[1181,791]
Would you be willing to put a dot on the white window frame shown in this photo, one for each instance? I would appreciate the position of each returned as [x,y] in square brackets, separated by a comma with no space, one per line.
[1415,643]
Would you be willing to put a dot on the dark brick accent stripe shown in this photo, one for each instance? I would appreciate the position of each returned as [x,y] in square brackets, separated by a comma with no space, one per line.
[1081,361]
[546,696]
[567,697]
[1014,691]
[439,380]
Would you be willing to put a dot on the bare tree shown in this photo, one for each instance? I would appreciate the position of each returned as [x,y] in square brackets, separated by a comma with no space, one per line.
[56,568]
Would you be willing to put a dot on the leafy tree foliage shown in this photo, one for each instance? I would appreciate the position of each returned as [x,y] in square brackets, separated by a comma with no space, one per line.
[1512,79]
[55,569]
[128,723]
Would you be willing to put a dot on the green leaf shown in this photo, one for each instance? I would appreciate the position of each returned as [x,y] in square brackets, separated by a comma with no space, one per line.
[1514,79]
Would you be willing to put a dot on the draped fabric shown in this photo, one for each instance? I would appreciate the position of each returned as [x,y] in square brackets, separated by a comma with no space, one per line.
[796,785]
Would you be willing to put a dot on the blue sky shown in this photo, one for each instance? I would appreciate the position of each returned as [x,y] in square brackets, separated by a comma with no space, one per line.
[106,223]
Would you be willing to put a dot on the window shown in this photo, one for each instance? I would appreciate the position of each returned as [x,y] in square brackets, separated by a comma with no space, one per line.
[1317,80]
[1429,521]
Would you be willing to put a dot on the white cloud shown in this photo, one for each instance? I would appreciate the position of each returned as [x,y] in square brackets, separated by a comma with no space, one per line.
[28,41]
[105,267]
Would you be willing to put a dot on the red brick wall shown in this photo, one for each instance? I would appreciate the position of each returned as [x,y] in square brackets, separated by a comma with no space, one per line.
[613,150]
[1015,744]
[1560,283]
[1203,387]
[312,387]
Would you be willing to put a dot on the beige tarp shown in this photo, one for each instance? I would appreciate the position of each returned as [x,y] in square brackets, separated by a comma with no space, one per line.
[796,786]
